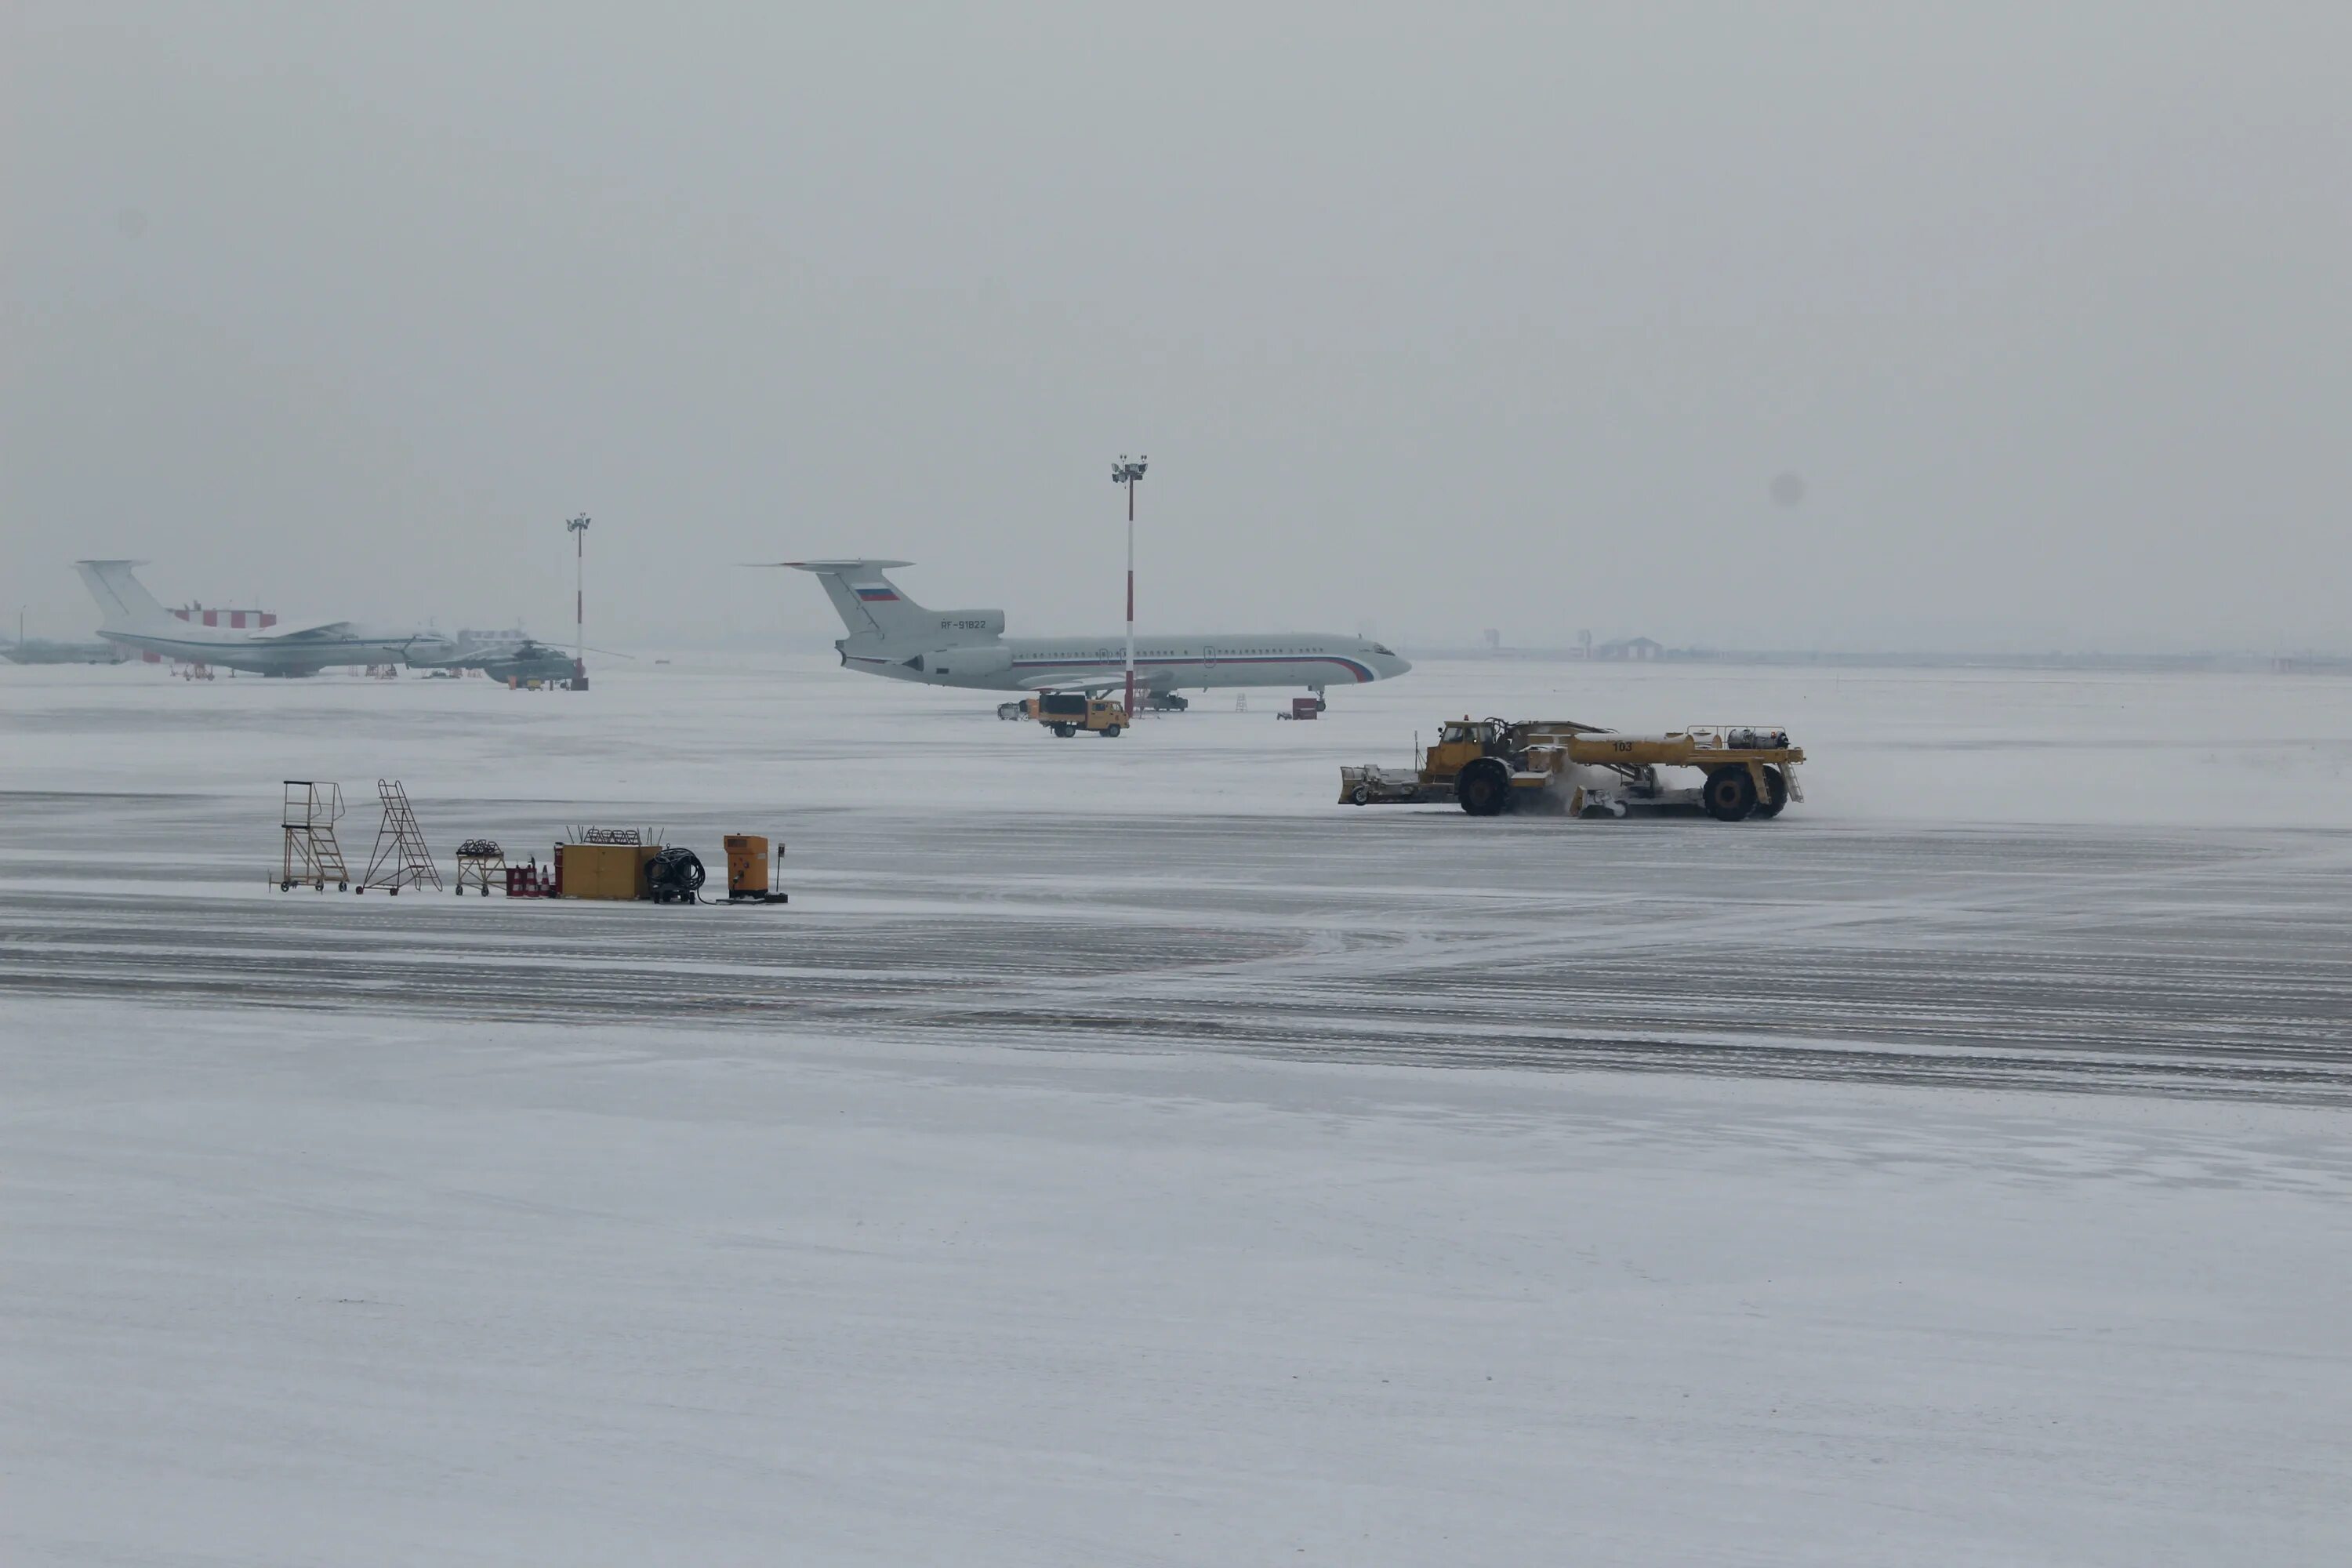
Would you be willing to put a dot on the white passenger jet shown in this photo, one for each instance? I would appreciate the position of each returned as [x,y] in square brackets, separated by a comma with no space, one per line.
[134,620]
[891,634]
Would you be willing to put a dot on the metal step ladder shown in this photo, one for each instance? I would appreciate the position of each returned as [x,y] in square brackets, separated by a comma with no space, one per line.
[312,854]
[401,859]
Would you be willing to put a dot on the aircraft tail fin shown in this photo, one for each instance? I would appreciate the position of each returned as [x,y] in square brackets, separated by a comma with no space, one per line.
[124,601]
[868,603]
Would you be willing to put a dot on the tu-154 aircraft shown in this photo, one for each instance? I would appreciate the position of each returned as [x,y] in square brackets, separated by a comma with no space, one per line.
[891,634]
[133,619]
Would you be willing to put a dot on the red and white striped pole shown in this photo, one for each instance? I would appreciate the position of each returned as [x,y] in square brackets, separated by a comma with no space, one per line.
[1125,473]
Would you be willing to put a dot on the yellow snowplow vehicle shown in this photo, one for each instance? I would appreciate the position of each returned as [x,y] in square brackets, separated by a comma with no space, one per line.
[1067,712]
[1489,766]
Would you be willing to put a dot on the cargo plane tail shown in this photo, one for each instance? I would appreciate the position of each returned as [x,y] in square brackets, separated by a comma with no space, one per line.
[123,600]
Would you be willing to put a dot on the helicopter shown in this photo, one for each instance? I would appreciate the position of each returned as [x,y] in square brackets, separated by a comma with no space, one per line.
[513,655]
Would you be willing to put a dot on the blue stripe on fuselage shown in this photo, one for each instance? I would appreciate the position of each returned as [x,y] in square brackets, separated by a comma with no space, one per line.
[140,637]
[1361,671]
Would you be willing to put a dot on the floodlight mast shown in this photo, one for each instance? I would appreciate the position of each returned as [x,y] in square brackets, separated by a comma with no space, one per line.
[1130,474]
[578,528]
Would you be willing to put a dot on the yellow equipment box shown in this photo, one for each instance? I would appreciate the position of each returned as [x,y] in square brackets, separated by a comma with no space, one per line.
[746,864]
[602,870]
[747,870]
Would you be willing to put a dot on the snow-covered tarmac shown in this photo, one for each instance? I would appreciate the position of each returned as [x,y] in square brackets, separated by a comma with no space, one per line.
[1323,1228]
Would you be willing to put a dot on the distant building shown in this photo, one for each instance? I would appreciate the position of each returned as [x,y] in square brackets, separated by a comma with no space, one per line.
[1625,649]
[37,650]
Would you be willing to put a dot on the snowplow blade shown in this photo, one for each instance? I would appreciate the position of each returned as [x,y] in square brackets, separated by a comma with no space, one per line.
[1375,785]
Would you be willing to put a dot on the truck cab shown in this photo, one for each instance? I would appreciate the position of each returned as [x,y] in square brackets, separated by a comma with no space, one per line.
[1460,741]
[1067,712]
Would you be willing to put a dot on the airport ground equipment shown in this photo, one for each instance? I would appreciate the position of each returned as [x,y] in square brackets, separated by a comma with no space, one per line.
[401,859]
[312,854]
[1303,707]
[614,835]
[478,860]
[589,869]
[747,870]
[1067,712]
[1150,702]
[531,881]
[1489,766]
[673,875]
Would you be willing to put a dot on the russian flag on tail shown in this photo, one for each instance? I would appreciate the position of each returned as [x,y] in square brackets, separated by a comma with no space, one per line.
[881,594]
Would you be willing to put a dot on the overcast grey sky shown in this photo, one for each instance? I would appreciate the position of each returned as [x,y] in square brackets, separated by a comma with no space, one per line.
[1434,318]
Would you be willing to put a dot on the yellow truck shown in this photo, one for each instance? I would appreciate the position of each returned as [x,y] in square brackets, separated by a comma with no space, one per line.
[1067,712]
[1489,766]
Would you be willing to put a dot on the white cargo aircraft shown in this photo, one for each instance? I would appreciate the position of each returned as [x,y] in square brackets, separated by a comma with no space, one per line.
[134,620]
[891,634]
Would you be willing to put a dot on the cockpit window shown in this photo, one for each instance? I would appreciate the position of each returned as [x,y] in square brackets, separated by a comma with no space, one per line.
[1380,647]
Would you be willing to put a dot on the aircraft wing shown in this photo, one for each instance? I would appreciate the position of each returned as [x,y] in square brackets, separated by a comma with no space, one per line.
[297,632]
[833,566]
[1090,684]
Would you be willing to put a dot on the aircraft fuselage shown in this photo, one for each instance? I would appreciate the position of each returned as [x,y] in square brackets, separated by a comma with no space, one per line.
[1198,661]
[891,634]
[294,655]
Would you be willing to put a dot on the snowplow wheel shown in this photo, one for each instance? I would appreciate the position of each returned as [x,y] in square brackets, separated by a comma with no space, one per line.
[1730,794]
[1483,788]
[1360,795]
[1776,792]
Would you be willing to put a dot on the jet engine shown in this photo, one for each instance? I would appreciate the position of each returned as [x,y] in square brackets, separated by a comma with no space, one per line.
[964,663]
